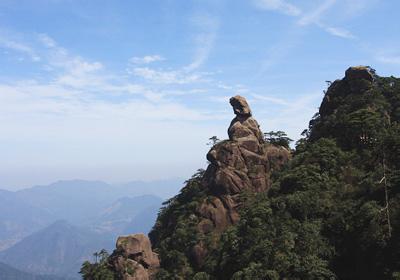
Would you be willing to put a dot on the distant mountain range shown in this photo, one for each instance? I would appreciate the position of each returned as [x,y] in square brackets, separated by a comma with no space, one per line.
[10,273]
[58,249]
[52,229]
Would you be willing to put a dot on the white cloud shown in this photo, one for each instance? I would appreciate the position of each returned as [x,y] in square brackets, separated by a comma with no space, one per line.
[270,99]
[306,18]
[279,6]
[339,32]
[47,41]
[146,59]
[315,15]
[65,129]
[354,8]
[165,76]
[18,47]
[204,46]
[204,40]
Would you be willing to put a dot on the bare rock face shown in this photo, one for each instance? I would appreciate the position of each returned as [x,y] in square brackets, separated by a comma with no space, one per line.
[242,163]
[359,72]
[133,258]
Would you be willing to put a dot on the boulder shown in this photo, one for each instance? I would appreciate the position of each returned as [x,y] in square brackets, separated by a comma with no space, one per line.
[240,106]
[359,72]
[133,258]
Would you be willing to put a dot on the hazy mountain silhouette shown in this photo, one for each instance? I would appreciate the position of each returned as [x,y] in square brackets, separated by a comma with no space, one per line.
[58,249]
[94,213]
[10,273]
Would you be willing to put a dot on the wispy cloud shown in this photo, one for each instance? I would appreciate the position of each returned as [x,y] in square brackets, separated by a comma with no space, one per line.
[270,99]
[160,76]
[204,40]
[339,32]
[47,41]
[306,18]
[314,16]
[20,47]
[71,70]
[71,76]
[281,6]
[146,59]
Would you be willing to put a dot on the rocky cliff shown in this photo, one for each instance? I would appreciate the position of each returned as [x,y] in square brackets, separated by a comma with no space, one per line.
[210,202]
[332,213]
[189,226]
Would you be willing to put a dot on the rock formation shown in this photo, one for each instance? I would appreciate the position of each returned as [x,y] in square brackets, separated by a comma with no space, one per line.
[359,72]
[133,258]
[240,164]
[243,163]
[357,80]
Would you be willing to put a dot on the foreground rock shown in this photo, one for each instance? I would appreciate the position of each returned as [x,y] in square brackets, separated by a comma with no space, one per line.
[133,258]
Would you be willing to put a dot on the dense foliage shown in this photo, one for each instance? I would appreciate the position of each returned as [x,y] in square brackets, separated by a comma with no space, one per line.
[333,213]
[278,138]
[174,233]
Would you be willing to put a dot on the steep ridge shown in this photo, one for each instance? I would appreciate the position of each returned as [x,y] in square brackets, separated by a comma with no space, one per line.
[238,165]
[208,204]
[58,249]
[333,212]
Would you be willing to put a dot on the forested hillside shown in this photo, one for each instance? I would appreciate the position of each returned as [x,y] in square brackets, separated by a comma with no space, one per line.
[331,212]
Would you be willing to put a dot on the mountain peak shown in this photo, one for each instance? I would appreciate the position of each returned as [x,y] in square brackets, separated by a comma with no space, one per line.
[359,72]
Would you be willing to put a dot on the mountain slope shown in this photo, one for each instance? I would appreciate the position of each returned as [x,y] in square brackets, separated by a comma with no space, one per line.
[79,201]
[19,219]
[334,213]
[9,273]
[58,249]
[128,212]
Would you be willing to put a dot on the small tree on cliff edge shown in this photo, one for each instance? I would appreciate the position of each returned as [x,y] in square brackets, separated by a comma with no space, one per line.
[97,270]
[278,138]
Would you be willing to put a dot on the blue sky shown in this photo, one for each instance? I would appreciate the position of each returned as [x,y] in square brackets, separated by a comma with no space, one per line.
[125,90]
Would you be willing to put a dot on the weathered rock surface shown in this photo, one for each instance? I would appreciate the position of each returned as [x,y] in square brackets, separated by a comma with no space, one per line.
[359,72]
[133,259]
[242,163]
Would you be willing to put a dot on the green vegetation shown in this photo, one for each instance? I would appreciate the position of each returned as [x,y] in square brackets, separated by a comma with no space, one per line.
[213,141]
[333,213]
[278,138]
[174,233]
[98,270]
